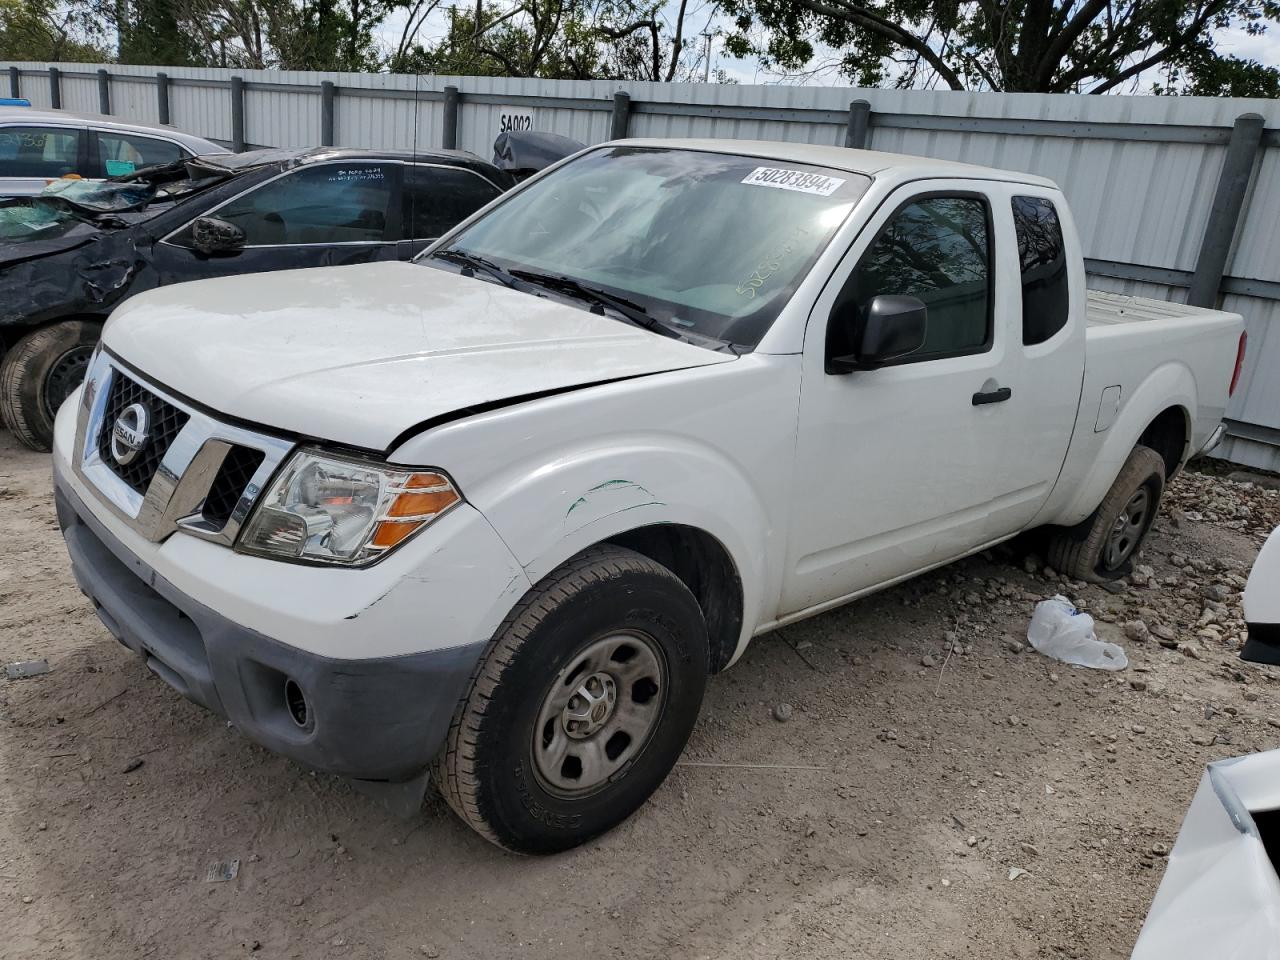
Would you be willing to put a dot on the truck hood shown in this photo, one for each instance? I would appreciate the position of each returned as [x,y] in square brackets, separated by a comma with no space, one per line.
[360,354]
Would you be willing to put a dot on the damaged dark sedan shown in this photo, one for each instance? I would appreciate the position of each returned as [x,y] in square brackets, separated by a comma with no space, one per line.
[69,256]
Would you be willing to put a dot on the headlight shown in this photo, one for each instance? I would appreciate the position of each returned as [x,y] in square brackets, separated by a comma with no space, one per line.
[337,510]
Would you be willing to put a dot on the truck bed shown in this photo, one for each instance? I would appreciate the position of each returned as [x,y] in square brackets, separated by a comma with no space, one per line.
[1131,339]
[1108,309]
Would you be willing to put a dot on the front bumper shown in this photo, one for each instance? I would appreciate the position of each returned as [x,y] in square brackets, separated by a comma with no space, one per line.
[380,718]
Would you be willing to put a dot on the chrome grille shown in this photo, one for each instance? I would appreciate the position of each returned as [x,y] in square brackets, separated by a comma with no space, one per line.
[166,422]
[194,473]
[238,468]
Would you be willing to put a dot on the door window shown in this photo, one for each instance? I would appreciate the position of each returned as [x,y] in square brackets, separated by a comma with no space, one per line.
[38,151]
[328,203]
[937,249]
[1045,299]
[122,153]
[436,199]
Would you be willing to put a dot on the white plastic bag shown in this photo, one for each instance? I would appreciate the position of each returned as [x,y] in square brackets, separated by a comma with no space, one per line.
[1061,631]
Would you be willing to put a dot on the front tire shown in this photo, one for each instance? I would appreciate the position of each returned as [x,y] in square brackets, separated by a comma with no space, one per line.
[580,705]
[38,373]
[1104,545]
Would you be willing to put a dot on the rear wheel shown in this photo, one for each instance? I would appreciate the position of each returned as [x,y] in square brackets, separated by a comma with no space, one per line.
[580,706]
[39,373]
[1103,547]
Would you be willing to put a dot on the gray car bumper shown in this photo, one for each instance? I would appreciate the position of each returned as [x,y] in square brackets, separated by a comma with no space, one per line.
[375,719]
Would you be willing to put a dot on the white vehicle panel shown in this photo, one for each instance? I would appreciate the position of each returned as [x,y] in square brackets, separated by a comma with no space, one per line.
[1262,595]
[391,344]
[707,447]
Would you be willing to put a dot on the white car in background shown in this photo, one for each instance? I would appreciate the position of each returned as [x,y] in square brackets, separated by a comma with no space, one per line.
[1262,605]
[37,146]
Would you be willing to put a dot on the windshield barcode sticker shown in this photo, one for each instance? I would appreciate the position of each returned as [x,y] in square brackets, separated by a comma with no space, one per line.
[799,180]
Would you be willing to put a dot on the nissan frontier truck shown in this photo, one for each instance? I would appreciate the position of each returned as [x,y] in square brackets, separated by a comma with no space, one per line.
[497,514]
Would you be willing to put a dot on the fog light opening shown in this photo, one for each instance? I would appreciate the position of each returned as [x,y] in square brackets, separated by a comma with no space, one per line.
[296,703]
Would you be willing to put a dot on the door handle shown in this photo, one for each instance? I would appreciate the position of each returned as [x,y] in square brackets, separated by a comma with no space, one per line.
[993,396]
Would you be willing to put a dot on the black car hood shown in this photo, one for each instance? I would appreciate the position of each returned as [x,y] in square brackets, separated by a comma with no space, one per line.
[86,271]
[35,249]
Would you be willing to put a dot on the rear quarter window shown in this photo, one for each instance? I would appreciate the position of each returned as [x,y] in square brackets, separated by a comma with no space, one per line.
[1046,301]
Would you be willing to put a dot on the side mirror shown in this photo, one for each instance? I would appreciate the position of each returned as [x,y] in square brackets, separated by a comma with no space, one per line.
[894,327]
[212,236]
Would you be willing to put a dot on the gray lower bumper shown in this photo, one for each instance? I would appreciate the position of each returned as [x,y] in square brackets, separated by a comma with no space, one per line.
[376,719]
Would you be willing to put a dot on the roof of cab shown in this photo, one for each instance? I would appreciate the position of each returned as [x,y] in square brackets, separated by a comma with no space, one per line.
[29,115]
[303,156]
[867,162]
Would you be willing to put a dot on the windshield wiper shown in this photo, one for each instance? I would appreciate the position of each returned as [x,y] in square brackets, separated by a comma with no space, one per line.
[630,310]
[472,261]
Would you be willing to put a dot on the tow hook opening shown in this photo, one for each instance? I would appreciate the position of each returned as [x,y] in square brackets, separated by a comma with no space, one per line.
[295,702]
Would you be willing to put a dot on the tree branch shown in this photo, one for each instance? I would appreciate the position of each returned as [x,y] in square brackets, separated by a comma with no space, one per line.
[677,43]
[1067,36]
[876,24]
[1164,53]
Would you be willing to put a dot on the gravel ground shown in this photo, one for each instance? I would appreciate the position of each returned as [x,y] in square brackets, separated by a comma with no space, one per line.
[928,757]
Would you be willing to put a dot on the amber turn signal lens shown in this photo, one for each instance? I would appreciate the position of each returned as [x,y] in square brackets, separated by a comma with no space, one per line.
[422,504]
[420,481]
[390,533]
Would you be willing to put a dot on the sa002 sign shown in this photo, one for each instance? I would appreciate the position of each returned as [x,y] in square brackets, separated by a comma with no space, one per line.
[514,120]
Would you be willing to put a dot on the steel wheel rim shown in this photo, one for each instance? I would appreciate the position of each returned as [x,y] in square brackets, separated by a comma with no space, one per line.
[64,376]
[599,714]
[1127,530]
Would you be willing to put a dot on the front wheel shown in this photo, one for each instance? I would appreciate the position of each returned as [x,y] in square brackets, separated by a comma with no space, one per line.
[580,705]
[39,372]
[1104,545]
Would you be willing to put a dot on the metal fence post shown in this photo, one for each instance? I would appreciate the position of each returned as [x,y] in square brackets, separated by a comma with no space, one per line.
[326,113]
[162,97]
[104,92]
[15,82]
[621,116]
[450,139]
[55,88]
[1224,217]
[237,114]
[855,131]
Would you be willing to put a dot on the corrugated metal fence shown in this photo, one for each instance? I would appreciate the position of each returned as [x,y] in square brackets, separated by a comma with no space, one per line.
[1174,196]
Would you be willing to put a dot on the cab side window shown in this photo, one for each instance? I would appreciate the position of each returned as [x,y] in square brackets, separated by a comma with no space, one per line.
[38,151]
[1046,302]
[437,199]
[937,249]
[120,153]
[327,203]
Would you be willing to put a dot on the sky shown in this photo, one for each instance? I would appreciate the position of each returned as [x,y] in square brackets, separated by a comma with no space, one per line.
[699,20]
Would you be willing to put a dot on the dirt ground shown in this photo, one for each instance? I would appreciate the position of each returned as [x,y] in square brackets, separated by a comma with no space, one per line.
[882,820]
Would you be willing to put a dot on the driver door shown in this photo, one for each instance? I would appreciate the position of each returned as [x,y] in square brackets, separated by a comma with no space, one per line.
[897,468]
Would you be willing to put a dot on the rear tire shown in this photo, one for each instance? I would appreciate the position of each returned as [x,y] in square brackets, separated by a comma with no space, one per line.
[38,373]
[580,705]
[1104,545]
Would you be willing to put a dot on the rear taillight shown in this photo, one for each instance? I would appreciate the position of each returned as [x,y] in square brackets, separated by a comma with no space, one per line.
[1235,375]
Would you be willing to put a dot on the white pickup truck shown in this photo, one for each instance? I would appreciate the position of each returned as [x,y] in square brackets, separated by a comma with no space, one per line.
[498,513]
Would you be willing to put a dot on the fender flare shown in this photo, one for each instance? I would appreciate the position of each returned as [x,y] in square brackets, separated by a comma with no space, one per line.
[591,493]
[1171,385]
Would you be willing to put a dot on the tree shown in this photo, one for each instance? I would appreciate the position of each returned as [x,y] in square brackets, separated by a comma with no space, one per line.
[1048,46]
[45,31]
[559,39]
[153,31]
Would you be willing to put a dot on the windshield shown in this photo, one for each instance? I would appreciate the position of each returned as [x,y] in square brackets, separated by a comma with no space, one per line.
[26,218]
[709,243]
